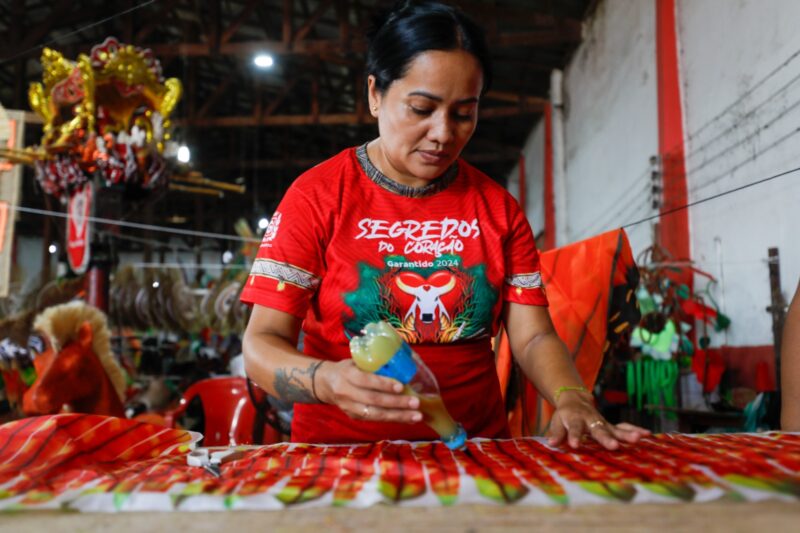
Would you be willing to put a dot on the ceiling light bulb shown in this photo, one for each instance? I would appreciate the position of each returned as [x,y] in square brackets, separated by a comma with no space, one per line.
[184,154]
[263,223]
[263,61]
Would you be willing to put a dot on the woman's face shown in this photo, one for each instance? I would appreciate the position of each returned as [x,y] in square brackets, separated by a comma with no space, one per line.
[426,117]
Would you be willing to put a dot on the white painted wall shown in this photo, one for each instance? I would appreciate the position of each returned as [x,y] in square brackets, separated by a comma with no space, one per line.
[534,178]
[740,67]
[740,73]
[610,116]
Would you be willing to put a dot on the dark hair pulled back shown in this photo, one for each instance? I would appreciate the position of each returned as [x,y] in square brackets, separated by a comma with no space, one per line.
[416,26]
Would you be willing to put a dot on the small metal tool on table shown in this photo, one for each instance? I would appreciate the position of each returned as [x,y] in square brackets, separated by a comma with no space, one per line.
[212,461]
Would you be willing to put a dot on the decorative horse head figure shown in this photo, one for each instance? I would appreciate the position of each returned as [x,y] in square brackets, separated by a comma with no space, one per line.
[75,368]
[16,370]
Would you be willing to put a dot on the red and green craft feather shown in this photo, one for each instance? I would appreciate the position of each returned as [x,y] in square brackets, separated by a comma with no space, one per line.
[358,467]
[593,477]
[445,479]
[85,461]
[401,477]
[527,467]
[37,450]
[317,475]
[492,480]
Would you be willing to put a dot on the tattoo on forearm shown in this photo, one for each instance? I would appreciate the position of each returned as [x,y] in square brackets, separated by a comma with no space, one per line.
[290,386]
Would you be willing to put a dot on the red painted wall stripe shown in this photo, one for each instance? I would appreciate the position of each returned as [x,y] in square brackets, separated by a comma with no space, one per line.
[549,199]
[674,228]
[742,364]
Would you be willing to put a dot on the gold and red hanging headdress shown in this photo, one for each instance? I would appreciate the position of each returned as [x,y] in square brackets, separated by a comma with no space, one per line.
[108,112]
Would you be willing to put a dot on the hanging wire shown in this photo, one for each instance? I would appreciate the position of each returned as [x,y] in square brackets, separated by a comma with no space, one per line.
[782,113]
[137,225]
[747,160]
[747,116]
[713,197]
[706,183]
[736,144]
[79,30]
[746,94]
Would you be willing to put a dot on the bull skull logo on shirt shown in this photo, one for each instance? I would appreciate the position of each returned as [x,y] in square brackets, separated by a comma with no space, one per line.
[427,306]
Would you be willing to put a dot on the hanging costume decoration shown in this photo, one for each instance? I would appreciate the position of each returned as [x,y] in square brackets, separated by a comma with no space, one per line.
[79,230]
[106,117]
[102,464]
[148,298]
[162,299]
[673,332]
[105,114]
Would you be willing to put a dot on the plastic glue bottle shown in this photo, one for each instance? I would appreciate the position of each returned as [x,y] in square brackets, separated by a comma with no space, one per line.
[382,351]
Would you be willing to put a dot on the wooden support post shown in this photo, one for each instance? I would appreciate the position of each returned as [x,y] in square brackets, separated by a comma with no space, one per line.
[234,26]
[777,306]
[287,22]
[212,100]
[304,30]
[214,30]
[279,98]
[777,309]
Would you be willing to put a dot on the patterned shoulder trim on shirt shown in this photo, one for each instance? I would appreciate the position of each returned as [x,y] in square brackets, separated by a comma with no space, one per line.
[285,273]
[526,281]
[372,172]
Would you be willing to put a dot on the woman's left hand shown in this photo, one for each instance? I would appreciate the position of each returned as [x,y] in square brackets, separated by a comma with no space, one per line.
[576,417]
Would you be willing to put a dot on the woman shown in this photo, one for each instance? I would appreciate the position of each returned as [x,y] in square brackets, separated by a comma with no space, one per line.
[401,229]
[790,367]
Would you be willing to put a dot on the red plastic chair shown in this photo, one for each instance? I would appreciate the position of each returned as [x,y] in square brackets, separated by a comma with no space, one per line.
[228,412]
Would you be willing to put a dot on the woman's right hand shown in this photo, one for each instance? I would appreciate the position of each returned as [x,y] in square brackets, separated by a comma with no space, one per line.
[364,396]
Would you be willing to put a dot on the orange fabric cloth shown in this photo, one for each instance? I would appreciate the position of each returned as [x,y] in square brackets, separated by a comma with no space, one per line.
[580,280]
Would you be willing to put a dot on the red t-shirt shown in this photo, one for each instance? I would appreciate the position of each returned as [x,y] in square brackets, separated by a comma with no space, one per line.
[347,246]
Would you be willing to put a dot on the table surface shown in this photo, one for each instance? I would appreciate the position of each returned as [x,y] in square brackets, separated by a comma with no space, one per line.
[85,462]
[766,516]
